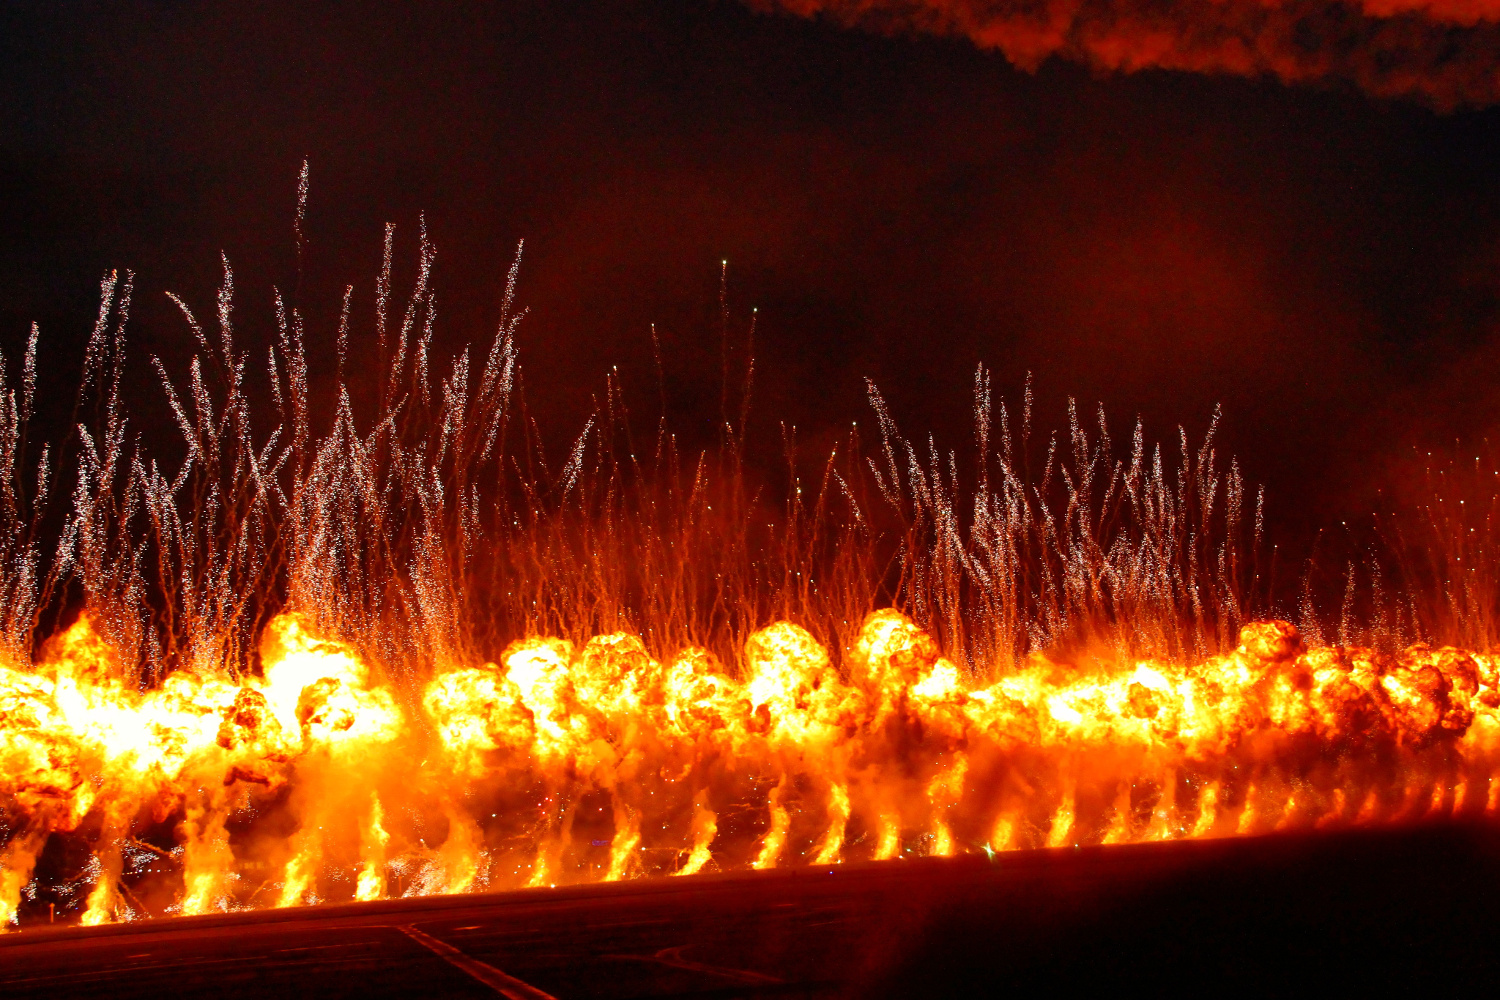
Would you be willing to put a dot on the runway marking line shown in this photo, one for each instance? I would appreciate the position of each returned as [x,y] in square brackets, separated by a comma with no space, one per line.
[672,958]
[506,985]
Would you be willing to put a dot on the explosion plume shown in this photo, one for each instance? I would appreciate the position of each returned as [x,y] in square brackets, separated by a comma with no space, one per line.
[396,652]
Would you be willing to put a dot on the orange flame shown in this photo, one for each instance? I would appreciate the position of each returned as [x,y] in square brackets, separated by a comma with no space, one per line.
[672,768]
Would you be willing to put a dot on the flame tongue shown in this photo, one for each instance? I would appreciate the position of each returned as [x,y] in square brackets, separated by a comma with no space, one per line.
[602,762]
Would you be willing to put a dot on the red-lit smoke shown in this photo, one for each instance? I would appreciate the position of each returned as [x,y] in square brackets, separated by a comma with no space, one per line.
[1444,52]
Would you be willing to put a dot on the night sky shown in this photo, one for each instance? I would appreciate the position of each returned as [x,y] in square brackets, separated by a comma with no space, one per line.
[896,205]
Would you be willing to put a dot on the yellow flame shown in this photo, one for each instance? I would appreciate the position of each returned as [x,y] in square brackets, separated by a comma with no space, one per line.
[890,749]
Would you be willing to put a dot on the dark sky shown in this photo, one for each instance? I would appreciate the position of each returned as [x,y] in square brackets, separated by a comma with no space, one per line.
[1322,262]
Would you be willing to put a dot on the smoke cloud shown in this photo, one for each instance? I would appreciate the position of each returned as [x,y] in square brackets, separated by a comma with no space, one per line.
[1443,52]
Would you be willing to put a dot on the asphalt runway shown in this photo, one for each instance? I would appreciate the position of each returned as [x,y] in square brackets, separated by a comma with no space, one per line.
[1397,909]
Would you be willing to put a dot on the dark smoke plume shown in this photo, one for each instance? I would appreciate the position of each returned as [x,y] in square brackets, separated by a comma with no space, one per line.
[1443,52]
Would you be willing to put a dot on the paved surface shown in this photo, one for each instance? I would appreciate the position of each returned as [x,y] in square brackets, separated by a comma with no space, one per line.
[1417,908]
